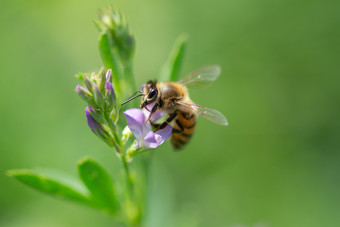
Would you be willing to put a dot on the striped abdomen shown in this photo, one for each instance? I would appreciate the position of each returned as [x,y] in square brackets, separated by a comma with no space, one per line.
[183,128]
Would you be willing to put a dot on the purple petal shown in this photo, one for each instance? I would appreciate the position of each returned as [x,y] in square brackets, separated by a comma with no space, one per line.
[110,93]
[149,141]
[97,128]
[155,116]
[108,86]
[109,75]
[143,85]
[81,90]
[136,122]
[163,134]
[154,139]
[92,123]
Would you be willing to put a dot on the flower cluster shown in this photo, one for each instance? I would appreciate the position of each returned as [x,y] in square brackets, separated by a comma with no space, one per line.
[102,116]
[103,91]
[116,25]
[102,112]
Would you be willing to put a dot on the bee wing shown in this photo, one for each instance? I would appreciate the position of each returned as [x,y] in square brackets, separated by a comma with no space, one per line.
[202,76]
[210,114]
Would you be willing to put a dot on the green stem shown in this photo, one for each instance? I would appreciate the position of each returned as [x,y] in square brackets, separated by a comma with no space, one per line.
[127,172]
[133,209]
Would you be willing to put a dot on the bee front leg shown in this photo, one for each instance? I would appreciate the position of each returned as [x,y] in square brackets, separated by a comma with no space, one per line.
[153,110]
[165,123]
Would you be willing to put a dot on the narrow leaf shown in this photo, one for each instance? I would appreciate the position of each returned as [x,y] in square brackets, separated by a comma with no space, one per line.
[171,69]
[49,185]
[99,183]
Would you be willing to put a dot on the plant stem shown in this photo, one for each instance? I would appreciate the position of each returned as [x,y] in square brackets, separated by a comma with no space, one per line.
[133,211]
[127,172]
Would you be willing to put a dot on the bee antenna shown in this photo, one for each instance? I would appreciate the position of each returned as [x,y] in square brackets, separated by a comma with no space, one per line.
[132,97]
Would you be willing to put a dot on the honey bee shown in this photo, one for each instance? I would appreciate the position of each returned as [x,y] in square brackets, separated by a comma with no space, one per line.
[173,98]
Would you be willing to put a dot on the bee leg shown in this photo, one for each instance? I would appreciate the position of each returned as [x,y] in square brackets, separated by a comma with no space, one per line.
[153,110]
[165,123]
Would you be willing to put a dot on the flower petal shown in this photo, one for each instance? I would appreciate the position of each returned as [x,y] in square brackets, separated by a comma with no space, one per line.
[92,123]
[155,116]
[110,95]
[163,134]
[84,93]
[109,75]
[154,139]
[149,141]
[96,127]
[136,122]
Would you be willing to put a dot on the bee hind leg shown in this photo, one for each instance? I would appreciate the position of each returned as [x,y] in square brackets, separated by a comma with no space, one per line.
[165,123]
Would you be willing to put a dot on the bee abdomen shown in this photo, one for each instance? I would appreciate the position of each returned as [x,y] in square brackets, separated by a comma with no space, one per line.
[183,128]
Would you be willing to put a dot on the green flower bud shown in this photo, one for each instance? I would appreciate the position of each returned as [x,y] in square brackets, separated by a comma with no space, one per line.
[84,94]
[98,97]
[111,100]
[88,83]
[101,79]
[116,25]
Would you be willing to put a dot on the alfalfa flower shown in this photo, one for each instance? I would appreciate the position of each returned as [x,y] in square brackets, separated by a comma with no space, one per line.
[146,138]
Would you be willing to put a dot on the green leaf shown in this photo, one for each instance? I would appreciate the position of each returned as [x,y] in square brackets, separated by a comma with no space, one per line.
[171,69]
[47,184]
[99,183]
[110,58]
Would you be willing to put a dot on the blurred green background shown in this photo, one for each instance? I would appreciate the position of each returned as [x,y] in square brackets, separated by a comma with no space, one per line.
[277,163]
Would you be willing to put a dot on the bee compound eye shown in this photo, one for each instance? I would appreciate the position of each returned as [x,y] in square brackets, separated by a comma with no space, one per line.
[152,93]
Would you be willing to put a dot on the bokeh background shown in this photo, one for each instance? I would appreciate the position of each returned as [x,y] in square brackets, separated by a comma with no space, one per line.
[276,165]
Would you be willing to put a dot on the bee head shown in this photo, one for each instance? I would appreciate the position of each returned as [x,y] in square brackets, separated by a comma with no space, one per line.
[150,93]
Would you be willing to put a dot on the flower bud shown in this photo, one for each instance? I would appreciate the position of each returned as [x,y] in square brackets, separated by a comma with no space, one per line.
[89,84]
[97,128]
[101,77]
[110,96]
[109,75]
[98,116]
[98,97]
[115,24]
[84,94]
[126,134]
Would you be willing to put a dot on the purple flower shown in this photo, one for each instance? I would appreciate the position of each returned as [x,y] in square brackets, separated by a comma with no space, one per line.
[142,131]
[96,127]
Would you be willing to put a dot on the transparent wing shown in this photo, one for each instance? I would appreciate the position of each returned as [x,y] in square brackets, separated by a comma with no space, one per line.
[210,114]
[202,76]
